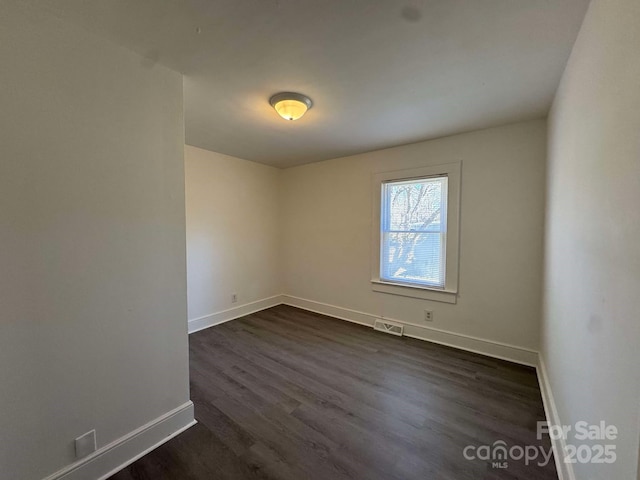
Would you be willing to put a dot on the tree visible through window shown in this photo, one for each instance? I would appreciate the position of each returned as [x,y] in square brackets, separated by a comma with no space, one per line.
[413,231]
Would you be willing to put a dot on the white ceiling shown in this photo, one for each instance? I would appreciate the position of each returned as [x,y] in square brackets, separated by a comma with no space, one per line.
[381,73]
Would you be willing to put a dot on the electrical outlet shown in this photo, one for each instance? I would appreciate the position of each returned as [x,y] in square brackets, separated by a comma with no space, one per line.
[86,444]
[234,297]
[428,316]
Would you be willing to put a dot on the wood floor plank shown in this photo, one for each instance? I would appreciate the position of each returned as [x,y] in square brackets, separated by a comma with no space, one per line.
[286,394]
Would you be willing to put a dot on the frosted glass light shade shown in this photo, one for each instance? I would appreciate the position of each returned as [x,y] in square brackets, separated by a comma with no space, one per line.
[290,106]
[290,109]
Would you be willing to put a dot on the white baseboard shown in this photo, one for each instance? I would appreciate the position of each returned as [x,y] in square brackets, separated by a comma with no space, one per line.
[565,470]
[479,345]
[217,318]
[113,457]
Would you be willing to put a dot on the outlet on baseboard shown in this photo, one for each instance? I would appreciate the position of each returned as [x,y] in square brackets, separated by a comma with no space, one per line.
[428,315]
[234,297]
[86,444]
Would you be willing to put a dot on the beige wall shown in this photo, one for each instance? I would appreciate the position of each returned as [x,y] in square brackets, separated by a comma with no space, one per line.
[591,326]
[326,232]
[232,228]
[92,266]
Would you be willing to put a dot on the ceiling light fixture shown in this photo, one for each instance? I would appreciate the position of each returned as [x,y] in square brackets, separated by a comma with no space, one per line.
[289,105]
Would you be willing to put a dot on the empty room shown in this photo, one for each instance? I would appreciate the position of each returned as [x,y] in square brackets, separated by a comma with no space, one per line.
[319,240]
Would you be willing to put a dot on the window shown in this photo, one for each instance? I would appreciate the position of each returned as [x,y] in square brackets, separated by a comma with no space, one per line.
[416,232]
[414,229]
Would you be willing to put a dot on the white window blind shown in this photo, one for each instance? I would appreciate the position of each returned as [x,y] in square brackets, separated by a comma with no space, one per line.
[413,231]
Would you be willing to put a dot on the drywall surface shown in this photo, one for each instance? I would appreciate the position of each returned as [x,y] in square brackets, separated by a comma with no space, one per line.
[326,211]
[232,231]
[93,331]
[591,329]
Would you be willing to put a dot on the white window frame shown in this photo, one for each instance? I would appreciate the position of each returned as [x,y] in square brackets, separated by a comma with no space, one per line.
[449,293]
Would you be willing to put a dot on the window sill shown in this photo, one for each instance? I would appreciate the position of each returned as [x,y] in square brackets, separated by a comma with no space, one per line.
[424,293]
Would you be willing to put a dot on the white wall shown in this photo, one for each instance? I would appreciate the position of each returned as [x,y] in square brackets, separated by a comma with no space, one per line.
[232,234]
[591,326]
[326,232]
[93,278]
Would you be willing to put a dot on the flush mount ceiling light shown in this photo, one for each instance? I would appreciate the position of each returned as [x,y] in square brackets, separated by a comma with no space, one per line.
[289,105]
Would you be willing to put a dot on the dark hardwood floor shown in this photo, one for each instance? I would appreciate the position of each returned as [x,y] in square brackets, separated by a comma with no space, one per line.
[289,394]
